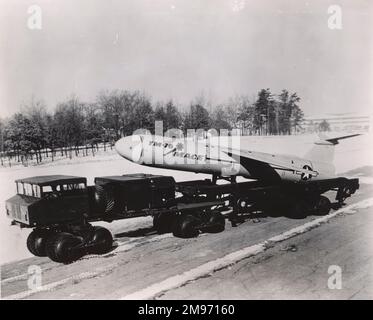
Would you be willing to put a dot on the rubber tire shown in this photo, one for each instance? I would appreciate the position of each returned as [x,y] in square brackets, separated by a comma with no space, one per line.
[36,242]
[217,222]
[185,227]
[102,235]
[323,206]
[59,245]
[299,210]
[163,222]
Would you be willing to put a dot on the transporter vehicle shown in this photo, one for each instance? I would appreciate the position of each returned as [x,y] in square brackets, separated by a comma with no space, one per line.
[60,208]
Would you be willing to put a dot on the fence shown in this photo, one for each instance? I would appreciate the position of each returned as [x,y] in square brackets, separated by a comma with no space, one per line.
[11,158]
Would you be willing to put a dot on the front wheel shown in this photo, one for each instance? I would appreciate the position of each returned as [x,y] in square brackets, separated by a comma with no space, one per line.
[216,223]
[163,222]
[60,247]
[36,242]
[186,226]
[102,240]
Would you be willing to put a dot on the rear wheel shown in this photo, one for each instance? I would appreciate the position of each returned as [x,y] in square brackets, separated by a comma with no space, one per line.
[163,222]
[186,226]
[299,209]
[36,242]
[216,223]
[60,247]
[323,206]
[102,240]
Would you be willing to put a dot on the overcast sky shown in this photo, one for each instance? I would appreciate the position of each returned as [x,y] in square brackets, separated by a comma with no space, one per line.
[183,48]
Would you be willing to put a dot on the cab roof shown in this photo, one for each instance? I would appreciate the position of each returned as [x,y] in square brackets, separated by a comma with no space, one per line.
[52,180]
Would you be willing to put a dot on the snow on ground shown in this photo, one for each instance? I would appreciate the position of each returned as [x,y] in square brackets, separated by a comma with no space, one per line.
[61,160]
[352,155]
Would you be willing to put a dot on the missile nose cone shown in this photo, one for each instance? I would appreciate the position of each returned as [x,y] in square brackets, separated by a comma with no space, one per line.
[130,148]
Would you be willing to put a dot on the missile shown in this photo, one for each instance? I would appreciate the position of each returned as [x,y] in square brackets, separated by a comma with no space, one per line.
[226,158]
[199,156]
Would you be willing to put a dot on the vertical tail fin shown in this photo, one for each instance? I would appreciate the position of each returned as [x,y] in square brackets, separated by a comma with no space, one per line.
[323,150]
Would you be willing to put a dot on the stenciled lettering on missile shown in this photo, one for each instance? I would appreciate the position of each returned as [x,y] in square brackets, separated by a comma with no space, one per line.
[175,153]
[161,144]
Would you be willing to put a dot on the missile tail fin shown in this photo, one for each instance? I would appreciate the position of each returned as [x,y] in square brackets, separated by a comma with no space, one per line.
[323,150]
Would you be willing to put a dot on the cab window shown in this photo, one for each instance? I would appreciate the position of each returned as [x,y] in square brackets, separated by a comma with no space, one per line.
[47,189]
[27,189]
[36,190]
[73,186]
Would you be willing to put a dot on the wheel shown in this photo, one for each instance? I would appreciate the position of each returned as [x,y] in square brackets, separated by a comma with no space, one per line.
[216,223]
[243,205]
[102,240]
[344,194]
[163,222]
[36,242]
[323,206]
[299,209]
[186,226]
[59,247]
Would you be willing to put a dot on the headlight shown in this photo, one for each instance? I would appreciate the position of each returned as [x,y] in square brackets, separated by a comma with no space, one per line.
[8,208]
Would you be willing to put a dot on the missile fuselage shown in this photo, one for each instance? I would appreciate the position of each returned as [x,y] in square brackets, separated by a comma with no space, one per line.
[220,159]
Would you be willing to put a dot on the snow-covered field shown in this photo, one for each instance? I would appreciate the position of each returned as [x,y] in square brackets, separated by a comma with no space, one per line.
[352,154]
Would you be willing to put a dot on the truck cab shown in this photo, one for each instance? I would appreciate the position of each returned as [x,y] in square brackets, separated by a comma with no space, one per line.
[48,200]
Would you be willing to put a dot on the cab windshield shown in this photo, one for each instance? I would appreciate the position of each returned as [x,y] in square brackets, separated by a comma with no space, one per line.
[28,189]
[36,191]
[64,188]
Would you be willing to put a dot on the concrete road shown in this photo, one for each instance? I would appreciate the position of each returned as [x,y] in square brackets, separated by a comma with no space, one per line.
[304,267]
[250,261]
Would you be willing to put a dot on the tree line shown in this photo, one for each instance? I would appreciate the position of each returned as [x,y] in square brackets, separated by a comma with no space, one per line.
[75,126]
